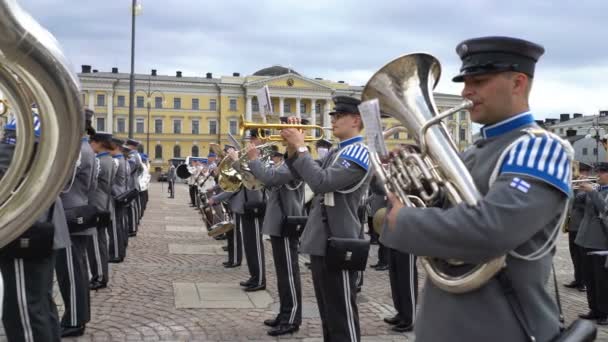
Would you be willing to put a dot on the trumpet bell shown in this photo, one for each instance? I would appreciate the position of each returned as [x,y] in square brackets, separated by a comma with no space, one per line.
[378,220]
[182,171]
[220,228]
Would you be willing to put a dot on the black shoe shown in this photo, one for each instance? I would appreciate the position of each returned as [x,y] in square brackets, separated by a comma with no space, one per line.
[382,267]
[573,284]
[96,285]
[358,289]
[116,261]
[272,322]
[247,283]
[393,320]
[403,327]
[589,315]
[602,321]
[231,265]
[374,265]
[373,242]
[255,288]
[225,248]
[283,329]
[581,288]
[72,331]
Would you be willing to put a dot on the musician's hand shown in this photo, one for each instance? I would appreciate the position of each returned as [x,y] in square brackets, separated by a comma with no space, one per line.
[396,206]
[252,152]
[586,187]
[234,155]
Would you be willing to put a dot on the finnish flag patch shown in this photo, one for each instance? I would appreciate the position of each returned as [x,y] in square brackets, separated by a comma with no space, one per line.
[520,185]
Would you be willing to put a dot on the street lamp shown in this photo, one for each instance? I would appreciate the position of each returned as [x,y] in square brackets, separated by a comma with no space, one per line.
[149,94]
[135,10]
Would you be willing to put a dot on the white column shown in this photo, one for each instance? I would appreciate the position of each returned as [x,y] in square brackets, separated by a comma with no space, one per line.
[281,106]
[248,108]
[313,114]
[110,116]
[91,104]
[298,111]
[326,119]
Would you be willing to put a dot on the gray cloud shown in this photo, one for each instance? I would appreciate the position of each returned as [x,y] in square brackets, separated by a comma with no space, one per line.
[342,40]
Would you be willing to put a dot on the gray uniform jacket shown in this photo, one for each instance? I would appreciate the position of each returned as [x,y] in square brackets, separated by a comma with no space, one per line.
[577,211]
[284,192]
[518,213]
[84,182]
[172,176]
[136,167]
[119,183]
[592,233]
[101,197]
[85,179]
[330,177]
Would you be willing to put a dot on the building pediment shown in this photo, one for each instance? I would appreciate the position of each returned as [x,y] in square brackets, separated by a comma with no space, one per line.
[287,81]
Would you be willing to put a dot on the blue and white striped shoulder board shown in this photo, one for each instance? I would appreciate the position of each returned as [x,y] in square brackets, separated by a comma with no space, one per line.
[356,153]
[542,155]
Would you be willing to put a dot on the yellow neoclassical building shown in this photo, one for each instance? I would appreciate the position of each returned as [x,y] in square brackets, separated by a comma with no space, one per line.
[180,115]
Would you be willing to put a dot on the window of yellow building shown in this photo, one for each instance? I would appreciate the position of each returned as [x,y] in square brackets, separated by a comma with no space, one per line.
[212,126]
[287,107]
[177,126]
[194,104]
[120,125]
[139,126]
[177,103]
[158,102]
[158,152]
[101,124]
[140,102]
[195,127]
[233,127]
[177,151]
[101,100]
[212,105]
[120,101]
[194,151]
[158,126]
[233,105]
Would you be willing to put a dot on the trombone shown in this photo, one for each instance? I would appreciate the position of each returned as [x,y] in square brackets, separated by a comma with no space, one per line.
[262,127]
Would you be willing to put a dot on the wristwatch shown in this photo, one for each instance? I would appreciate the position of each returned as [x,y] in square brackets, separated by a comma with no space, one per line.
[302,149]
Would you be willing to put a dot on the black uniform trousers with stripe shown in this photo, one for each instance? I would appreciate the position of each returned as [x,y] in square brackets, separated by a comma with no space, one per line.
[337,301]
[251,228]
[132,219]
[97,253]
[382,250]
[73,280]
[29,312]
[192,189]
[576,253]
[285,255]
[595,277]
[235,242]
[117,233]
[403,276]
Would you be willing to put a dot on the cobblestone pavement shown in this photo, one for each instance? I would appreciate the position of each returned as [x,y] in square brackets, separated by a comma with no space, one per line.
[140,302]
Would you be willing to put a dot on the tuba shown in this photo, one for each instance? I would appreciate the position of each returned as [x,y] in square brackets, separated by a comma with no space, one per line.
[34,70]
[403,89]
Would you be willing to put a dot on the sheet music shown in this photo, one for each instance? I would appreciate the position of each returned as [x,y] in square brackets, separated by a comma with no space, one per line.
[234,142]
[370,114]
[264,102]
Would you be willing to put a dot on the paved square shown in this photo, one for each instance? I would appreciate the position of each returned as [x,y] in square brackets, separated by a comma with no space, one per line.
[187,229]
[175,248]
[218,296]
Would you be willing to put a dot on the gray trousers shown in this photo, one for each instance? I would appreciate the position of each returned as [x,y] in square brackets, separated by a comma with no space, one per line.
[29,312]
[97,252]
[251,228]
[285,255]
[118,234]
[73,280]
[337,300]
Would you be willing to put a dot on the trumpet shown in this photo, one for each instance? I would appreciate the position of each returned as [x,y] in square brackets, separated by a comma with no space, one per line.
[576,184]
[262,127]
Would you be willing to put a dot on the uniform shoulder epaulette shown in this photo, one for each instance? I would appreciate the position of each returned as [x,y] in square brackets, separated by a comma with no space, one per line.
[356,153]
[542,155]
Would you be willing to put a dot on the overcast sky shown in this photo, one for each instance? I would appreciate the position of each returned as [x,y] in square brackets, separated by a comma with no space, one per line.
[338,40]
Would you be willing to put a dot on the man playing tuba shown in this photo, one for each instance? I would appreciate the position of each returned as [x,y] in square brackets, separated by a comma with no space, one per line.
[518,214]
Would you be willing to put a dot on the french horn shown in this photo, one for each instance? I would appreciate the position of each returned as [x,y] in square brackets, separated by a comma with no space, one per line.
[33,70]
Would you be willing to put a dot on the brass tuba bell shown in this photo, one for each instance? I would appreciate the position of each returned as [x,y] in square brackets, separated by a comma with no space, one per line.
[403,88]
[34,70]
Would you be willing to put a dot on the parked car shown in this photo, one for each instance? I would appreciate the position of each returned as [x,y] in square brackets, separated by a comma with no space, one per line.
[162,177]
